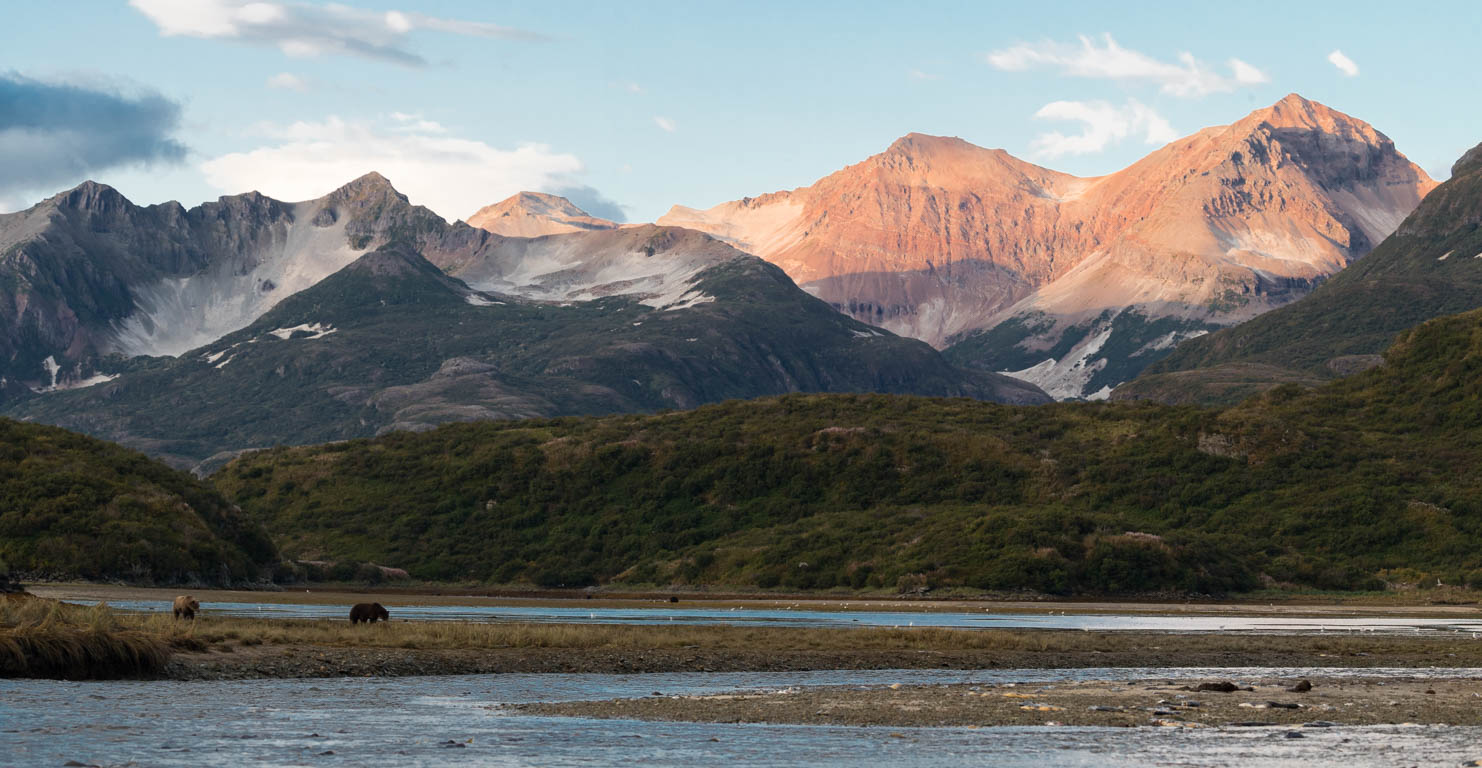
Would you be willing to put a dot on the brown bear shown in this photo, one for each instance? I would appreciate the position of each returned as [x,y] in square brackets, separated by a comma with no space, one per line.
[186,607]
[369,613]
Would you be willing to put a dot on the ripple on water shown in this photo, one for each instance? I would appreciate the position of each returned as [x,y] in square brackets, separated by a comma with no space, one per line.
[422,722]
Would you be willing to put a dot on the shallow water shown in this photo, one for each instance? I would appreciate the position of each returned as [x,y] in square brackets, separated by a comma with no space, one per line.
[816,618]
[409,721]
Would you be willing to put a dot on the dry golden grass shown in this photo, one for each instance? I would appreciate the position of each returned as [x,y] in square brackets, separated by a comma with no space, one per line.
[44,638]
[227,632]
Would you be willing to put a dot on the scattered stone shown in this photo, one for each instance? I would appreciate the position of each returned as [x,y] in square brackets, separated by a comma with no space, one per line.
[1295,735]
[1301,687]
[1224,686]
[1320,724]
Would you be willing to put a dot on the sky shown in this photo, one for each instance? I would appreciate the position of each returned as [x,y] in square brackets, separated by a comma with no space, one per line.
[631,107]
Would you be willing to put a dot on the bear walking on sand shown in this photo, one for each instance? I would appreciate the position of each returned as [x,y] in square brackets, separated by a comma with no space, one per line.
[369,613]
[186,607]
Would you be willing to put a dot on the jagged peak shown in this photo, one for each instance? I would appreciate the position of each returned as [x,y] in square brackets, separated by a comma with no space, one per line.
[371,184]
[1296,111]
[539,203]
[535,214]
[924,144]
[89,196]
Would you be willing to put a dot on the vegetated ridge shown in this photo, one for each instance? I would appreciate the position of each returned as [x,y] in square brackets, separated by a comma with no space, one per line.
[1365,480]
[75,507]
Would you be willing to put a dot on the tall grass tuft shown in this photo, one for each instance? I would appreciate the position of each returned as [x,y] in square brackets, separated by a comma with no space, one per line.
[47,638]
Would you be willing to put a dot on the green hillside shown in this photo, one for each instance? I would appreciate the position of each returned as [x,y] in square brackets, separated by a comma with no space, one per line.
[1371,476]
[72,506]
[1431,266]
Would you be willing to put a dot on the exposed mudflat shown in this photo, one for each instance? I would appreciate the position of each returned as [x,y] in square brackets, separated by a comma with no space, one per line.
[1087,651]
[1164,703]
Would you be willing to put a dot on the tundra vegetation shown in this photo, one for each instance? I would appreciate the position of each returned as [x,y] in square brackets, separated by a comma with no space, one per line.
[73,506]
[1363,482]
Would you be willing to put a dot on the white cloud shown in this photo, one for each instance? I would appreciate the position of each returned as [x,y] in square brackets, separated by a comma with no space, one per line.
[302,29]
[1343,63]
[1188,78]
[1246,74]
[452,176]
[416,123]
[917,74]
[287,81]
[666,124]
[1102,125]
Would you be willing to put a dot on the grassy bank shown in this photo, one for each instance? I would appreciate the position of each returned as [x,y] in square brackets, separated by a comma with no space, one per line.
[42,638]
[45,638]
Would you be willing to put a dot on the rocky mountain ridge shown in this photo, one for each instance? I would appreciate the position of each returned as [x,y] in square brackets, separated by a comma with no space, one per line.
[1430,266]
[446,322]
[1078,283]
[533,214]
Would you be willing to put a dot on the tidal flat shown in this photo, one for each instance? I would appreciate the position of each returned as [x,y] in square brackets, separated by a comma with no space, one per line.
[1316,701]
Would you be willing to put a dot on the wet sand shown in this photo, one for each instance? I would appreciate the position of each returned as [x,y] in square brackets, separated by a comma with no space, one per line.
[1348,701]
[799,650]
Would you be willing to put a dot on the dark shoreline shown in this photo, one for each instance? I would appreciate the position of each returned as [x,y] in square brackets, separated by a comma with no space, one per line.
[290,662]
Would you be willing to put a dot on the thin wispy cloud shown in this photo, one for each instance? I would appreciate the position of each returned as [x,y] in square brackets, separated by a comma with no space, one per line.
[416,123]
[917,74]
[303,29]
[1186,78]
[1343,63]
[54,133]
[666,124]
[451,175]
[287,81]
[1102,125]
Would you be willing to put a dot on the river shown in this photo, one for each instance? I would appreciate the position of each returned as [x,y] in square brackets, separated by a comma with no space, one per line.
[420,722]
[804,617]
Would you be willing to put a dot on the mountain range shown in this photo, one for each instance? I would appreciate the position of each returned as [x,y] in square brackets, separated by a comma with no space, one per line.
[1076,283]
[398,320]
[197,333]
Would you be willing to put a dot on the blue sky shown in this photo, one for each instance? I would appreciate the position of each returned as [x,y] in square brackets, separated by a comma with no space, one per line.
[633,107]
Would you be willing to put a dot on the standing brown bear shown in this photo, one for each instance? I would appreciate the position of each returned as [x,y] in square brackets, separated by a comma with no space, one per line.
[186,607]
[369,613]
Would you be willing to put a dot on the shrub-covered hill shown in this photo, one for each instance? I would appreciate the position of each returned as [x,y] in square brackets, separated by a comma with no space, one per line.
[73,506]
[1372,476]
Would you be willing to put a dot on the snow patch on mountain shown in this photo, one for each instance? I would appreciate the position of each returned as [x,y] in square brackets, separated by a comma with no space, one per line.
[177,315]
[1168,341]
[53,372]
[1067,377]
[316,331]
[567,269]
